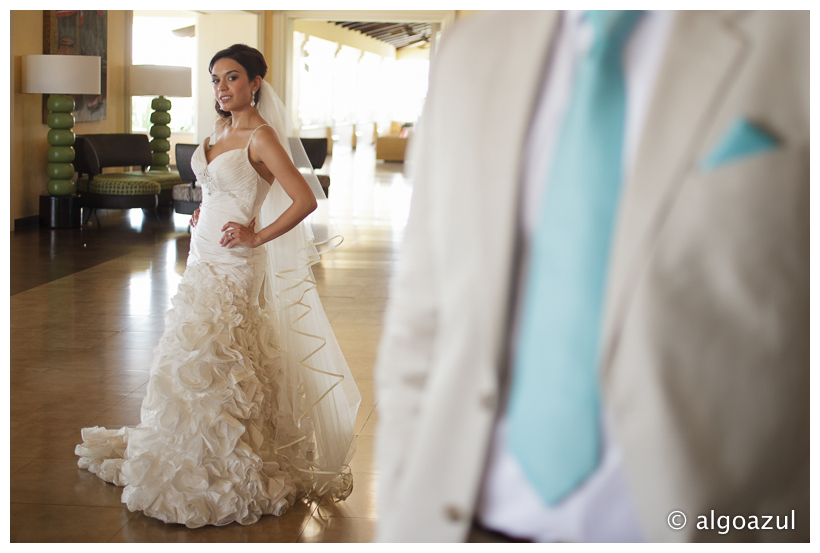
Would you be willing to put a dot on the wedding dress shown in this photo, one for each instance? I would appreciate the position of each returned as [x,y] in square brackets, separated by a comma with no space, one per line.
[250,404]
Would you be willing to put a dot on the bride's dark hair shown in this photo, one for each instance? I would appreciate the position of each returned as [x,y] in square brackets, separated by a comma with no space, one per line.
[249,58]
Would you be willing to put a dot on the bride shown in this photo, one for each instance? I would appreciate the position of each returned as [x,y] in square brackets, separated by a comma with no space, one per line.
[250,404]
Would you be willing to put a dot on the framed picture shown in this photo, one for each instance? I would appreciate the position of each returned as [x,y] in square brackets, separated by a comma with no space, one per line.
[84,33]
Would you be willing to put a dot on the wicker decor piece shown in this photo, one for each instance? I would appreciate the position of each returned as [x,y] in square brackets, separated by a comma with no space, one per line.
[184,193]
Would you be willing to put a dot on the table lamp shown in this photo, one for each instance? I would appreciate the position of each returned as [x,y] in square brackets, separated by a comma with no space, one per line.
[160,81]
[60,75]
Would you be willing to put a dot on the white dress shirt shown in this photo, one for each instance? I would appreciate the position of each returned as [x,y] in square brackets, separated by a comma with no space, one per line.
[601,509]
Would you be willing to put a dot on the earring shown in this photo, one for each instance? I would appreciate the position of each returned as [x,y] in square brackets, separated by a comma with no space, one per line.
[253,99]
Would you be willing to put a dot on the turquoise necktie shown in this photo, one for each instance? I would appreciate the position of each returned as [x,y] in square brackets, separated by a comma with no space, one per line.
[554,407]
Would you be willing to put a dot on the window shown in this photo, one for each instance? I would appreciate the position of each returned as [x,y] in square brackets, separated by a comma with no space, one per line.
[154,43]
[337,84]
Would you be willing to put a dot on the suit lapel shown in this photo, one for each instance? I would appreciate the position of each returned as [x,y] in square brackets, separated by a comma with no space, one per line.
[521,89]
[532,67]
[702,59]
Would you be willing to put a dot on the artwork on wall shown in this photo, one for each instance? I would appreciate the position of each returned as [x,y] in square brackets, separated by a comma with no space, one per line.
[85,33]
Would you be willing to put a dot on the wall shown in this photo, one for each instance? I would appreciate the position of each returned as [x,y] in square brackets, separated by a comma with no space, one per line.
[216,32]
[28,132]
[460,14]
[267,51]
[354,39]
[416,53]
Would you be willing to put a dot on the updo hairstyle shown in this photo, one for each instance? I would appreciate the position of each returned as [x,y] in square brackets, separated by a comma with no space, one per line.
[249,58]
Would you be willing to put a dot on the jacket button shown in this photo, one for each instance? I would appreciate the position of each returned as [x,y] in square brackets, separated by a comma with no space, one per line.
[454,514]
[488,402]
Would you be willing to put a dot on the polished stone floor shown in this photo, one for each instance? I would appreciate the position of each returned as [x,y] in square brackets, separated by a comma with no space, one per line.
[86,310]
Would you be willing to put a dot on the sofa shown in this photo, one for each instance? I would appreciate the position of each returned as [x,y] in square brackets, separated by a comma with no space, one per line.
[393,145]
[124,189]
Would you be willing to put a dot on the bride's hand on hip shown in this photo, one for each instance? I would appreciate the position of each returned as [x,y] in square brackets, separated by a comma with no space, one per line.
[238,235]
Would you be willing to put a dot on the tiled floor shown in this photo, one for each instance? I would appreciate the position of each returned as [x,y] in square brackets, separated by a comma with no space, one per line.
[87,309]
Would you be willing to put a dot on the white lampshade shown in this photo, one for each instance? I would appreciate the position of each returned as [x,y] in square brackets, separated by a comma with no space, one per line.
[161,80]
[61,74]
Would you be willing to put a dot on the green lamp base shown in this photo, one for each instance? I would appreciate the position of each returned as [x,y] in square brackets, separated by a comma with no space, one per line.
[60,170]
[161,132]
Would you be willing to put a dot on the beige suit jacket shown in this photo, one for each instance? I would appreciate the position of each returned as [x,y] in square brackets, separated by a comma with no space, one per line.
[705,351]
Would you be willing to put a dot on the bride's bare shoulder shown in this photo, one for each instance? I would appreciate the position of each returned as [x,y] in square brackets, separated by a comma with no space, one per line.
[265,136]
[220,128]
[265,143]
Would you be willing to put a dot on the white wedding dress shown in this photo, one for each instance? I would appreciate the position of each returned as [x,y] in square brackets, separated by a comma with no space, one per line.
[250,404]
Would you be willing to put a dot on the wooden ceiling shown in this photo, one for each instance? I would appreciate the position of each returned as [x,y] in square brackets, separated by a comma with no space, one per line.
[399,35]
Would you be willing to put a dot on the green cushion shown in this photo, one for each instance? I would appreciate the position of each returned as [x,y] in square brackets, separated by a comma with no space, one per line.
[166,179]
[120,184]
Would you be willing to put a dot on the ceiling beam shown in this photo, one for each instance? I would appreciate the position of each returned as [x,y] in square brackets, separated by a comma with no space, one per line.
[371,27]
[394,33]
[389,31]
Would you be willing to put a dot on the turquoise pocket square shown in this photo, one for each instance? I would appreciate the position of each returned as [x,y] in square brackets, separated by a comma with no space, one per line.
[743,139]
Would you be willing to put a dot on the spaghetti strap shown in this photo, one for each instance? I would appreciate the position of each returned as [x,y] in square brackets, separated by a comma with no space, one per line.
[253,133]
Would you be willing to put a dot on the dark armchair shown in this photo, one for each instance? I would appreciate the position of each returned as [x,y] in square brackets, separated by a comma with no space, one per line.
[99,190]
[186,196]
[316,150]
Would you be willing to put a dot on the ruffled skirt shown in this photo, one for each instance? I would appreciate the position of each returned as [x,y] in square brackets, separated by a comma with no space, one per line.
[221,438]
